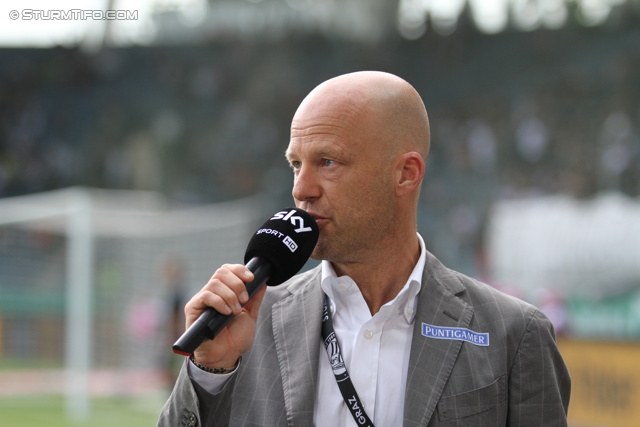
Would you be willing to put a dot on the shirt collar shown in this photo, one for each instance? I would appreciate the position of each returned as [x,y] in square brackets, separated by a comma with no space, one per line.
[407,297]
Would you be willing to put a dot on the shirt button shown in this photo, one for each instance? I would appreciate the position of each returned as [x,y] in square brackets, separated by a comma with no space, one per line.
[368,334]
[408,311]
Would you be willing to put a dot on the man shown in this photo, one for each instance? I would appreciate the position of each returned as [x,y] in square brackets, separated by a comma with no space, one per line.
[423,345]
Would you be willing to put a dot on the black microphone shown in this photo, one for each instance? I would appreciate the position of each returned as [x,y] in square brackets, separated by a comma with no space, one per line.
[277,251]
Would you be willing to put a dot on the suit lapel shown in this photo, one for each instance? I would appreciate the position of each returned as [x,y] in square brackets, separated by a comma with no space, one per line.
[431,360]
[296,329]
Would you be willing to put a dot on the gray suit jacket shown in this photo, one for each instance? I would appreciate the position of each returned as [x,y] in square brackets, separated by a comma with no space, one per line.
[520,379]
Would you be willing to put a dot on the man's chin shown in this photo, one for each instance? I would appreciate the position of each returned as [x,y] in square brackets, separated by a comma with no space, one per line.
[318,254]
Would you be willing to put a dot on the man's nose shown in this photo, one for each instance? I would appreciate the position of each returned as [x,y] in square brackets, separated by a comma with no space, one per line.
[306,185]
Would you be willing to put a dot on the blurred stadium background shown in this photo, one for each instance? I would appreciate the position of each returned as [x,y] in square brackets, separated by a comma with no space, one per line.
[138,152]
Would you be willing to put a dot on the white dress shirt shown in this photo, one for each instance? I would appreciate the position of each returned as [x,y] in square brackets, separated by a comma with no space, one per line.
[375,351]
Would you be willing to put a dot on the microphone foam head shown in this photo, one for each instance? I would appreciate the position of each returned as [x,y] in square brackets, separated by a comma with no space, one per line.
[286,242]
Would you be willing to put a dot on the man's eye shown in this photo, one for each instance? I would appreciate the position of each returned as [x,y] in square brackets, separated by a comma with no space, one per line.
[295,165]
[327,162]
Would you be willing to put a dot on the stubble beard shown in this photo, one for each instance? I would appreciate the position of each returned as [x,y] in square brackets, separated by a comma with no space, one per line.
[350,246]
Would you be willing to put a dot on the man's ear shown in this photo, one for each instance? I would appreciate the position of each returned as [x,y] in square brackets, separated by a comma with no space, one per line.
[410,168]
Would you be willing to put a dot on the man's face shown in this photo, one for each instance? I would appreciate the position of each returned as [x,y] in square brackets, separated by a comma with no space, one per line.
[342,177]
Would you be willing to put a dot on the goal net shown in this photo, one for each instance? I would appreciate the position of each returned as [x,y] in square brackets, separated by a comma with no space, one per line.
[93,284]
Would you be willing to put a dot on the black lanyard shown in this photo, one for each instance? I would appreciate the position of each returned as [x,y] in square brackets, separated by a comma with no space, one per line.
[340,370]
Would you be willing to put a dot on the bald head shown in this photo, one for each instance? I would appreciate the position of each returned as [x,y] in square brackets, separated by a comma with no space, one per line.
[358,148]
[379,104]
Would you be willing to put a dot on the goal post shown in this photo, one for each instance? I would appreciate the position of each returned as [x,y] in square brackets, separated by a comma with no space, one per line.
[88,279]
[78,319]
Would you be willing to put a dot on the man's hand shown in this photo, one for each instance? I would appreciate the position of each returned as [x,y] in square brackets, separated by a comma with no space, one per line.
[226,292]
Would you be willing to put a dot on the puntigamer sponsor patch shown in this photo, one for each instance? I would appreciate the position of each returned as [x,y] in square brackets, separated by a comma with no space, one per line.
[462,334]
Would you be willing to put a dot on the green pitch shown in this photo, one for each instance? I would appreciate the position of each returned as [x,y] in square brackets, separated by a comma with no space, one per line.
[48,411]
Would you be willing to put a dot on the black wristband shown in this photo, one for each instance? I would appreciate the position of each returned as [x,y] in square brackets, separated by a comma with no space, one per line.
[214,370]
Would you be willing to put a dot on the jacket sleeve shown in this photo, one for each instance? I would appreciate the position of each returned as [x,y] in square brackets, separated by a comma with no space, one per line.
[191,406]
[539,381]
